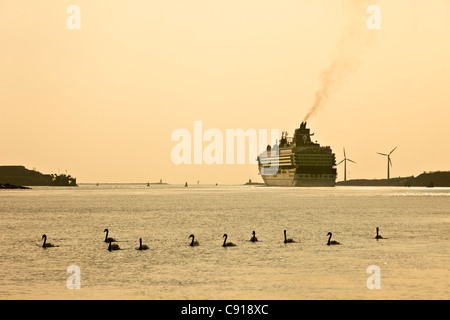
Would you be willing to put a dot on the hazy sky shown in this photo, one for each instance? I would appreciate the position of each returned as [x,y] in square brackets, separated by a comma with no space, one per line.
[102,101]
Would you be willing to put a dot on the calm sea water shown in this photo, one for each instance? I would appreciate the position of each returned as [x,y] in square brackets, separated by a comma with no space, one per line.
[413,259]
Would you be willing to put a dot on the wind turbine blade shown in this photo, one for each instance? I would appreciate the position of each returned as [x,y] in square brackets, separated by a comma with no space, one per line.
[392,150]
[344,153]
[341,162]
[390,162]
[351,160]
[383,154]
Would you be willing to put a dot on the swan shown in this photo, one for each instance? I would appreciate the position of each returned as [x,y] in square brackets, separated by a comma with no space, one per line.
[378,236]
[331,242]
[193,243]
[113,246]
[253,238]
[142,247]
[287,240]
[45,244]
[227,244]
[106,237]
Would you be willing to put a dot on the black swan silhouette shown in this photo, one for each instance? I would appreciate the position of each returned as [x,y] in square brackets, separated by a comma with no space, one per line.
[329,240]
[106,237]
[141,246]
[45,244]
[113,246]
[227,244]
[194,242]
[378,236]
[286,240]
[253,238]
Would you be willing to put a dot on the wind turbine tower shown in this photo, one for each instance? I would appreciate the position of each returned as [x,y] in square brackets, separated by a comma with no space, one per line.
[389,162]
[345,165]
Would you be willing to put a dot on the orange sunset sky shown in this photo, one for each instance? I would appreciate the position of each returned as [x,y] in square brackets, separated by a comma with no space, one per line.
[102,101]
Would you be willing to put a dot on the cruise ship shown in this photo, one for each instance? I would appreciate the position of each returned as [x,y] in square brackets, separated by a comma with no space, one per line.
[298,162]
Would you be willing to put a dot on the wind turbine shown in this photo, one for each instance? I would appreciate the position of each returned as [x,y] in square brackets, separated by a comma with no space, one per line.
[345,165]
[389,162]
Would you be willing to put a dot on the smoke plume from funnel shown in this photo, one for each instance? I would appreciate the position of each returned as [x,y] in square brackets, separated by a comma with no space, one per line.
[354,40]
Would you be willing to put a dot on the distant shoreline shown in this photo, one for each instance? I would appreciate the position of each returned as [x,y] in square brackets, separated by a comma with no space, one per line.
[20,176]
[426,179]
[430,180]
